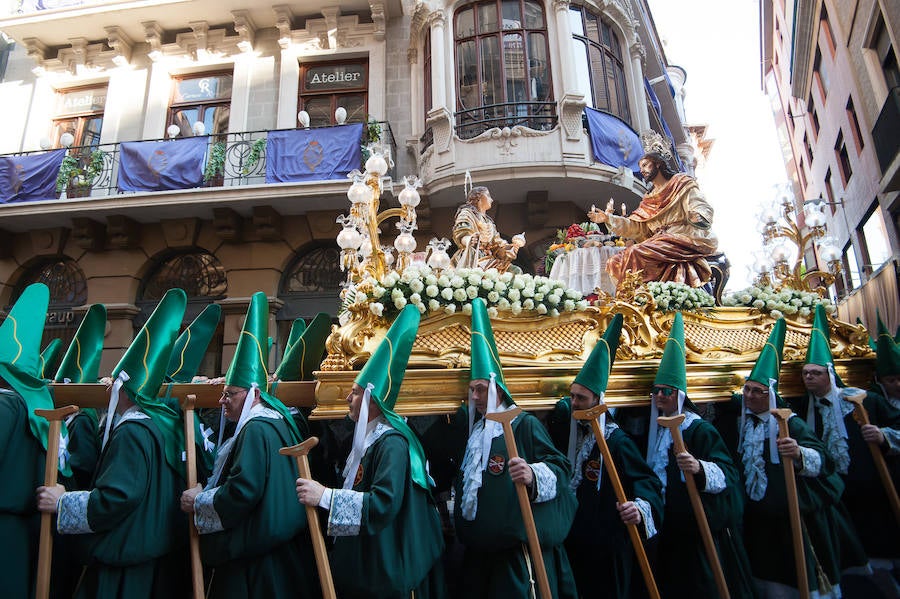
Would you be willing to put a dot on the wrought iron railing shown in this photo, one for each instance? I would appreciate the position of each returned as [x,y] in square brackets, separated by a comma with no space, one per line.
[237,169]
[540,116]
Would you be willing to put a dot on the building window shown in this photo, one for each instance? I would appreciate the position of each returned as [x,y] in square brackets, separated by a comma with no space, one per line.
[854,126]
[325,86]
[68,289]
[813,116]
[877,248]
[851,268]
[502,67]
[599,63]
[309,285]
[80,113]
[843,159]
[200,98]
[199,273]
[887,58]
[426,73]
[808,148]
[821,74]
[826,37]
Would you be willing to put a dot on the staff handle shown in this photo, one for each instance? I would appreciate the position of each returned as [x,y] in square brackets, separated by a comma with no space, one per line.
[783,415]
[299,452]
[861,415]
[534,545]
[672,423]
[51,469]
[593,415]
[190,449]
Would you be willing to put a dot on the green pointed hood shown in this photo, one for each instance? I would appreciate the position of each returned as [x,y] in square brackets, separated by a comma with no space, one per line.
[672,366]
[20,346]
[191,345]
[819,350]
[249,366]
[484,354]
[81,364]
[768,364]
[297,329]
[304,354]
[595,373]
[887,354]
[385,371]
[50,358]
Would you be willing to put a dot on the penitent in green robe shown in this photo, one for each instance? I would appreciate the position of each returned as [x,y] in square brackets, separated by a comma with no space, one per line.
[690,574]
[598,544]
[22,471]
[767,527]
[388,532]
[132,513]
[253,531]
[496,563]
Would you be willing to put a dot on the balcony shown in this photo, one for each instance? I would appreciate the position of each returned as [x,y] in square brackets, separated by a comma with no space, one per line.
[887,146]
[239,183]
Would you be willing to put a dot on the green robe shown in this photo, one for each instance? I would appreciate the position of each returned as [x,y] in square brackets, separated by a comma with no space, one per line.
[132,513]
[252,528]
[598,544]
[388,533]
[690,575]
[767,527]
[22,472]
[864,497]
[496,563]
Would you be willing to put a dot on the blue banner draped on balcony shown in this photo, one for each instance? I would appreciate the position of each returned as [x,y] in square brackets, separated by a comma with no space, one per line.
[313,154]
[30,177]
[613,141]
[651,95]
[162,165]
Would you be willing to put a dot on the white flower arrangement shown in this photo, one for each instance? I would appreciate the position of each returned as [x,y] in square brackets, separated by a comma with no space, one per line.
[671,297]
[777,303]
[453,291]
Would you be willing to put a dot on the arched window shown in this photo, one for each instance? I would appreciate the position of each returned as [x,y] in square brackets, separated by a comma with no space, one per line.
[68,289]
[599,63]
[309,285]
[502,67]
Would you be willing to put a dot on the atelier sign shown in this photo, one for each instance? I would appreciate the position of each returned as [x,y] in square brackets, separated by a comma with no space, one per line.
[335,77]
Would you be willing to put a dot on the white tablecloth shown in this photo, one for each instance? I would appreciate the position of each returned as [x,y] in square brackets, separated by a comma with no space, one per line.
[584,269]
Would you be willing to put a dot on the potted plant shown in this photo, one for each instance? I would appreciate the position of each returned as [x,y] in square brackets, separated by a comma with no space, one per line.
[214,174]
[77,173]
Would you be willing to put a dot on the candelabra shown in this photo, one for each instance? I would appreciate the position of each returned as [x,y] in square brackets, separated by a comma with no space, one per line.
[780,263]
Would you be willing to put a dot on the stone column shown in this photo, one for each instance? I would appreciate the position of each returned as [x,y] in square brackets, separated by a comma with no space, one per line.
[438,72]
[641,119]
[566,68]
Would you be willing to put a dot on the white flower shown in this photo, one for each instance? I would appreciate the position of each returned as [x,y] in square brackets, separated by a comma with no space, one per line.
[396,293]
[471,292]
[400,302]
[457,282]
[516,307]
[376,308]
[378,291]
[503,304]
[581,304]
[758,304]
[528,304]
[443,281]
[433,305]
[544,289]
[487,284]
[553,299]
[514,295]
[573,294]
[554,312]
[493,297]
[492,311]
[500,287]
[415,299]
[450,308]
[528,292]
[460,295]
[506,277]
[538,297]
[776,314]
[416,286]
[805,312]
[568,305]
[447,293]
[431,279]
[474,279]
[467,309]
[541,309]
[432,291]
[518,282]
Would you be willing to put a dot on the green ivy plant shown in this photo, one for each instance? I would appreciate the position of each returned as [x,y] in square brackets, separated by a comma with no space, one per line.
[371,134]
[71,171]
[215,165]
[255,152]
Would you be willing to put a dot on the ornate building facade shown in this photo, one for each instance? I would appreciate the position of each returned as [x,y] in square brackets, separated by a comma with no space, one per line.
[493,87]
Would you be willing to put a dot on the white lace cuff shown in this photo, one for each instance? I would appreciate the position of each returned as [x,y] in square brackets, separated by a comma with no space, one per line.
[71,516]
[205,516]
[715,478]
[545,481]
[325,500]
[646,517]
[892,437]
[810,462]
[345,517]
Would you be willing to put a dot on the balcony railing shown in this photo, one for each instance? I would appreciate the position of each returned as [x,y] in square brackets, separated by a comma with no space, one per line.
[540,116]
[884,134]
[238,168]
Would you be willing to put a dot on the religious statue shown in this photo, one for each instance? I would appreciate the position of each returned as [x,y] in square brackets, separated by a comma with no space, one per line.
[476,236]
[671,228]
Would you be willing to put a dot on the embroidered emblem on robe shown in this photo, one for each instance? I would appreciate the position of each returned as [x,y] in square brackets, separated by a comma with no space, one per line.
[496,464]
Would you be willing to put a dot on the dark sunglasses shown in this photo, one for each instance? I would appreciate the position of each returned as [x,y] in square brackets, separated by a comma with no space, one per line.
[664,391]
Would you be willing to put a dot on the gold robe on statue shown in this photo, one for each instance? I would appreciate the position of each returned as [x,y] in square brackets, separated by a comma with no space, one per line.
[480,250]
[672,230]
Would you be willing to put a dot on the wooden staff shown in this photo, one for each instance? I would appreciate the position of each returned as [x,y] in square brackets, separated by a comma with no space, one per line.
[51,469]
[187,406]
[861,415]
[593,415]
[783,415]
[299,452]
[672,423]
[534,545]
